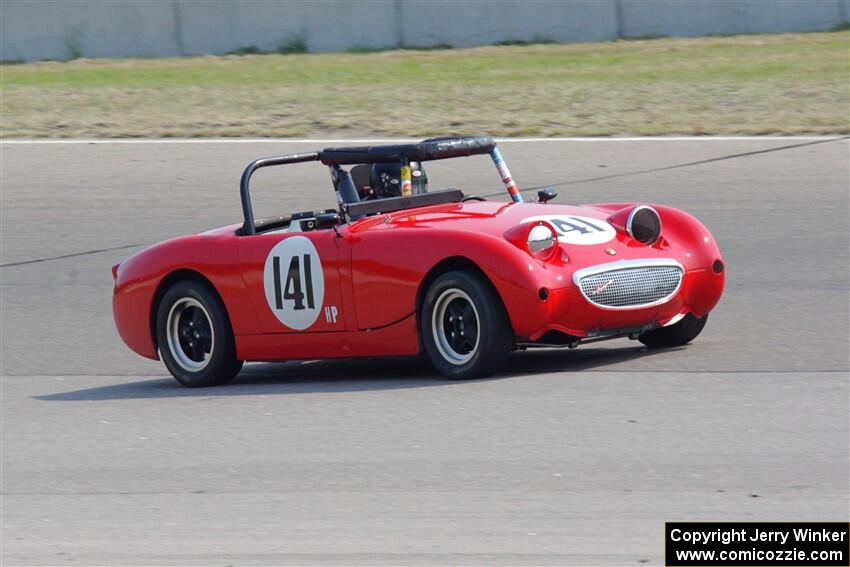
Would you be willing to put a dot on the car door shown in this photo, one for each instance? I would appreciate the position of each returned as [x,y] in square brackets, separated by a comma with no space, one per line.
[293,280]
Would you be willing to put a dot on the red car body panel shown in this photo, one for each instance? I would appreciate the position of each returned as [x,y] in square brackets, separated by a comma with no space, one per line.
[252,252]
[373,271]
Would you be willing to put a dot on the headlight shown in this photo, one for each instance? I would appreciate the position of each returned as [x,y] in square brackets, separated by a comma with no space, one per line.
[538,238]
[541,239]
[644,225]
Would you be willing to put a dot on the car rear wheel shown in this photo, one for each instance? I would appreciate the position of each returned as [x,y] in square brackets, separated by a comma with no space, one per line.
[194,336]
[464,328]
[676,334]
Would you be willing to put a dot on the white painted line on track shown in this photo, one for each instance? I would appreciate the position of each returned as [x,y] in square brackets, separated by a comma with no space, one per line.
[676,139]
[406,140]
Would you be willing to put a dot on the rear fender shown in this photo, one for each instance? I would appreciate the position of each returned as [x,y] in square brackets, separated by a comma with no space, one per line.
[142,279]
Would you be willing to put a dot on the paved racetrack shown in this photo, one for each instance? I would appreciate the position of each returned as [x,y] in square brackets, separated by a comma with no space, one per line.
[569,457]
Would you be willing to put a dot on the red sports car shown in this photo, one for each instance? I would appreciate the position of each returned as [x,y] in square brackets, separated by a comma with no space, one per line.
[397,269]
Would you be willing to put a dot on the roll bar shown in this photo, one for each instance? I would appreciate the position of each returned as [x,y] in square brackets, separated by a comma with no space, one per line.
[248,227]
[426,150]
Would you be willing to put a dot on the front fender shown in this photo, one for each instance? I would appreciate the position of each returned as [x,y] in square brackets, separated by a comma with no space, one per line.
[697,250]
[389,265]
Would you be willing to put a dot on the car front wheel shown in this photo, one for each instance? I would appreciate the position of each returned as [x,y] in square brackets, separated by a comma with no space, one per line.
[194,336]
[677,334]
[464,328]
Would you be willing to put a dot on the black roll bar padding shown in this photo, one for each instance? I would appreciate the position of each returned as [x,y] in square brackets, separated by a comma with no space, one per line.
[426,150]
[248,227]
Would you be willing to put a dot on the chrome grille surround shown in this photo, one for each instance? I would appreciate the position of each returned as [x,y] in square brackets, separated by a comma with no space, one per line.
[630,284]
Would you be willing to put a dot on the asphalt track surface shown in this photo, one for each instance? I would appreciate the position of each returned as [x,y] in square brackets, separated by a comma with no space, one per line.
[568,457]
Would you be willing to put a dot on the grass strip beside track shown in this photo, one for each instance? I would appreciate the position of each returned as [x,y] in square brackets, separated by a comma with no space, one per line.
[765,84]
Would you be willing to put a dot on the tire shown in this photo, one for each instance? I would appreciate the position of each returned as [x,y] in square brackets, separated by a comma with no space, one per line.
[194,336]
[456,350]
[678,334]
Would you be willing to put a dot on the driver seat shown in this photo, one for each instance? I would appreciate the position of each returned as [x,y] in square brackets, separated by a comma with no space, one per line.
[361,175]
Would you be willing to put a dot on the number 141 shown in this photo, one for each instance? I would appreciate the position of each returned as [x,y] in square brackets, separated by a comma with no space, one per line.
[292,288]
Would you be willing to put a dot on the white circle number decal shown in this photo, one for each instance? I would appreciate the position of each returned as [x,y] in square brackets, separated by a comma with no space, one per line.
[294,282]
[574,229]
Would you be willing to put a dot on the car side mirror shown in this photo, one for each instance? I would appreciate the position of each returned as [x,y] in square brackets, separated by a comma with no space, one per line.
[546,195]
[328,220]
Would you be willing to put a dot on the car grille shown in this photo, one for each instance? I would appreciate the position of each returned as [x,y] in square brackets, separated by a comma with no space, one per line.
[631,287]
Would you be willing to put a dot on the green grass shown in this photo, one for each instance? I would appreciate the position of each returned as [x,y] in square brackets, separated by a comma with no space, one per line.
[793,83]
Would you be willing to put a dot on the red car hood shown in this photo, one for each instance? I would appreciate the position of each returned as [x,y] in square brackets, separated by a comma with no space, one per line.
[585,232]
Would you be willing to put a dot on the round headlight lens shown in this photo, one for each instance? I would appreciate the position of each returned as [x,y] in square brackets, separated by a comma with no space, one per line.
[541,239]
[644,225]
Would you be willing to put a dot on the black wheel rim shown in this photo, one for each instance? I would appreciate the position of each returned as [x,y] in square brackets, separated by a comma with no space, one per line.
[190,335]
[455,325]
